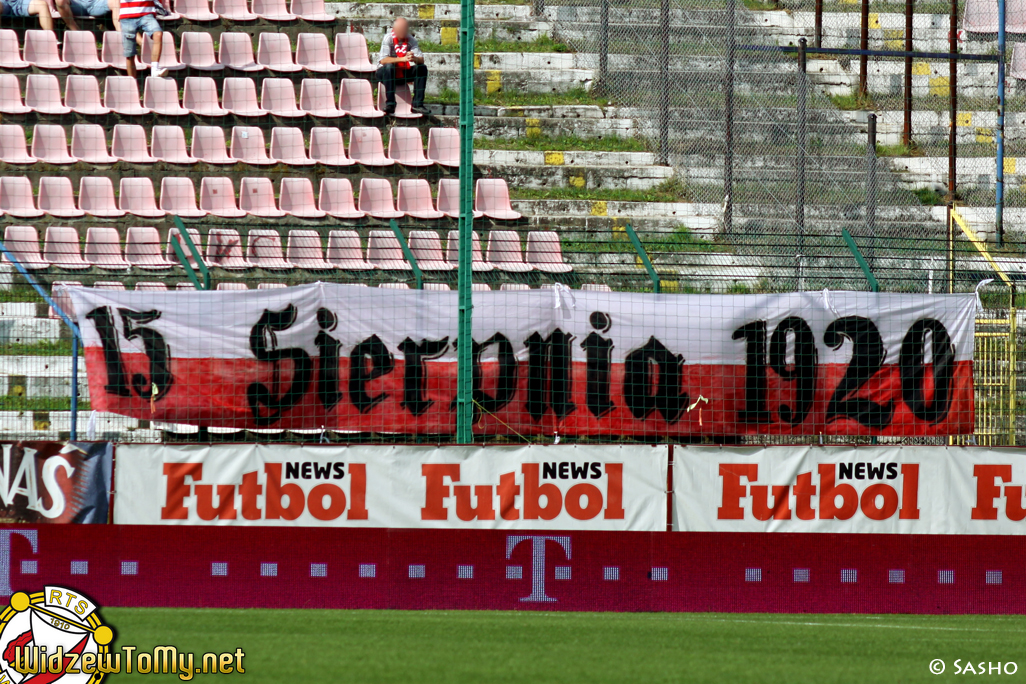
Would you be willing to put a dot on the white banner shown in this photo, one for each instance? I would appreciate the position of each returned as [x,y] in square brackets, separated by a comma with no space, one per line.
[569,487]
[880,490]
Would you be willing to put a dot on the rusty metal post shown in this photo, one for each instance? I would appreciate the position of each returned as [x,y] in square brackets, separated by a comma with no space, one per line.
[906,128]
[864,45]
[953,103]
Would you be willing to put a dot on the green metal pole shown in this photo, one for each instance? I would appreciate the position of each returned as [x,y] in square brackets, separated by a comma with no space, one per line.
[874,286]
[465,348]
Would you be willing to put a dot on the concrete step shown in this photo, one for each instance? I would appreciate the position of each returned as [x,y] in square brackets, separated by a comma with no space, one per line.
[51,425]
[41,376]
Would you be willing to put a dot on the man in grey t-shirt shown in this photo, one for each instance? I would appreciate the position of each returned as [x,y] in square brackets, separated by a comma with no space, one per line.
[401,61]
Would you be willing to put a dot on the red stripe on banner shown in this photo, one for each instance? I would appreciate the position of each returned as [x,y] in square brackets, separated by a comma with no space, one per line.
[582,571]
[216,392]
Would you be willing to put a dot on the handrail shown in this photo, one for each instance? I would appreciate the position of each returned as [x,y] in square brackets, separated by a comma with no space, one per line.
[874,286]
[980,246]
[418,276]
[183,234]
[643,256]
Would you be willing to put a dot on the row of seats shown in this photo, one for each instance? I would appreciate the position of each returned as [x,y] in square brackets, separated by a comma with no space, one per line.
[144,250]
[199,97]
[256,198]
[981,16]
[274,52]
[240,10]
[288,146]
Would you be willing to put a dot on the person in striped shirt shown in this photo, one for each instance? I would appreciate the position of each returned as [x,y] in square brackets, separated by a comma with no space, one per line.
[136,17]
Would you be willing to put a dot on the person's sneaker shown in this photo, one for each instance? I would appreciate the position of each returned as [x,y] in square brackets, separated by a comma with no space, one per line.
[388,109]
[158,72]
[420,109]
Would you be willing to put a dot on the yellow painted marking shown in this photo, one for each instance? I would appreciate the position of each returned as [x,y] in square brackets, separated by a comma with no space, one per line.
[1009,164]
[964,119]
[533,128]
[493,82]
[577,181]
[874,20]
[426,11]
[985,135]
[598,208]
[940,86]
[619,232]
[477,61]
[554,159]
[450,35]
[920,68]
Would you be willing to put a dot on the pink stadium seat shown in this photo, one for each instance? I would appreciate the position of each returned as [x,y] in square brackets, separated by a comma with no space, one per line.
[326,147]
[444,146]
[270,286]
[287,146]
[264,248]
[272,10]
[195,10]
[344,251]
[103,249]
[336,199]
[149,287]
[235,10]
[178,197]
[248,145]
[142,249]
[504,252]
[224,249]
[544,252]
[43,94]
[384,251]
[174,235]
[376,198]
[407,147]
[492,198]
[208,145]
[236,50]
[41,50]
[57,197]
[96,197]
[274,51]
[112,53]
[168,145]
[121,94]
[311,10]
[240,98]
[232,286]
[452,252]
[168,53]
[351,53]
[595,287]
[427,248]
[394,286]
[16,197]
[61,297]
[14,150]
[1017,68]
[129,144]
[10,96]
[355,98]
[414,199]
[314,53]
[185,286]
[507,287]
[50,144]
[305,250]
[1015,16]
[161,95]
[480,287]
[317,98]
[63,249]
[137,198]
[23,244]
[10,52]
[365,146]
[198,52]
[278,96]
[80,50]
[403,102]
[297,198]
[981,16]
[449,198]
[256,197]
[82,94]
[217,196]
[109,286]
[441,287]
[89,144]
[200,96]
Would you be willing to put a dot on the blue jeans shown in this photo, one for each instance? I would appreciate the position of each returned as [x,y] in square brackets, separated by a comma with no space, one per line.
[147,24]
[89,8]
[15,8]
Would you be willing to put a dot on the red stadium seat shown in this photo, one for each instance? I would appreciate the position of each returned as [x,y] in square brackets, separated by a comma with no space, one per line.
[43,94]
[296,198]
[544,252]
[504,252]
[376,198]
[234,10]
[16,197]
[109,286]
[198,52]
[326,147]
[365,146]
[121,94]
[313,52]
[14,149]
[41,50]
[492,198]
[444,146]
[96,197]
[351,53]
[394,286]
[142,249]
[82,94]
[80,50]
[248,146]
[240,98]
[344,251]
[10,51]
[288,146]
[442,287]
[57,197]
[274,51]
[168,145]
[317,98]
[264,249]
[355,98]
[62,248]
[224,249]
[384,251]
[236,51]
[305,250]
[270,286]
[178,197]
[256,197]
[217,196]
[414,199]
[161,96]
[23,244]
[449,198]
[336,199]
[50,144]
[10,96]
[407,147]
[427,248]
[103,249]
[89,144]
[278,96]
[208,145]
[137,198]
[200,96]
[129,144]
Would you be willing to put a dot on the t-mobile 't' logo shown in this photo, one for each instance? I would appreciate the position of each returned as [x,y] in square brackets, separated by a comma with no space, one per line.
[538,594]
[5,555]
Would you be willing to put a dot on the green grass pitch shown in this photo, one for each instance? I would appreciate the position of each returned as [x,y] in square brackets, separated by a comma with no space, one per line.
[360,646]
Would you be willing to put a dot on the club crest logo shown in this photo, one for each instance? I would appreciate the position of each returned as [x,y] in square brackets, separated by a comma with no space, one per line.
[52,636]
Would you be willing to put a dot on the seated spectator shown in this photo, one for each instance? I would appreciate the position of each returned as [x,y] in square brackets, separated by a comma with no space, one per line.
[401,61]
[69,9]
[29,8]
